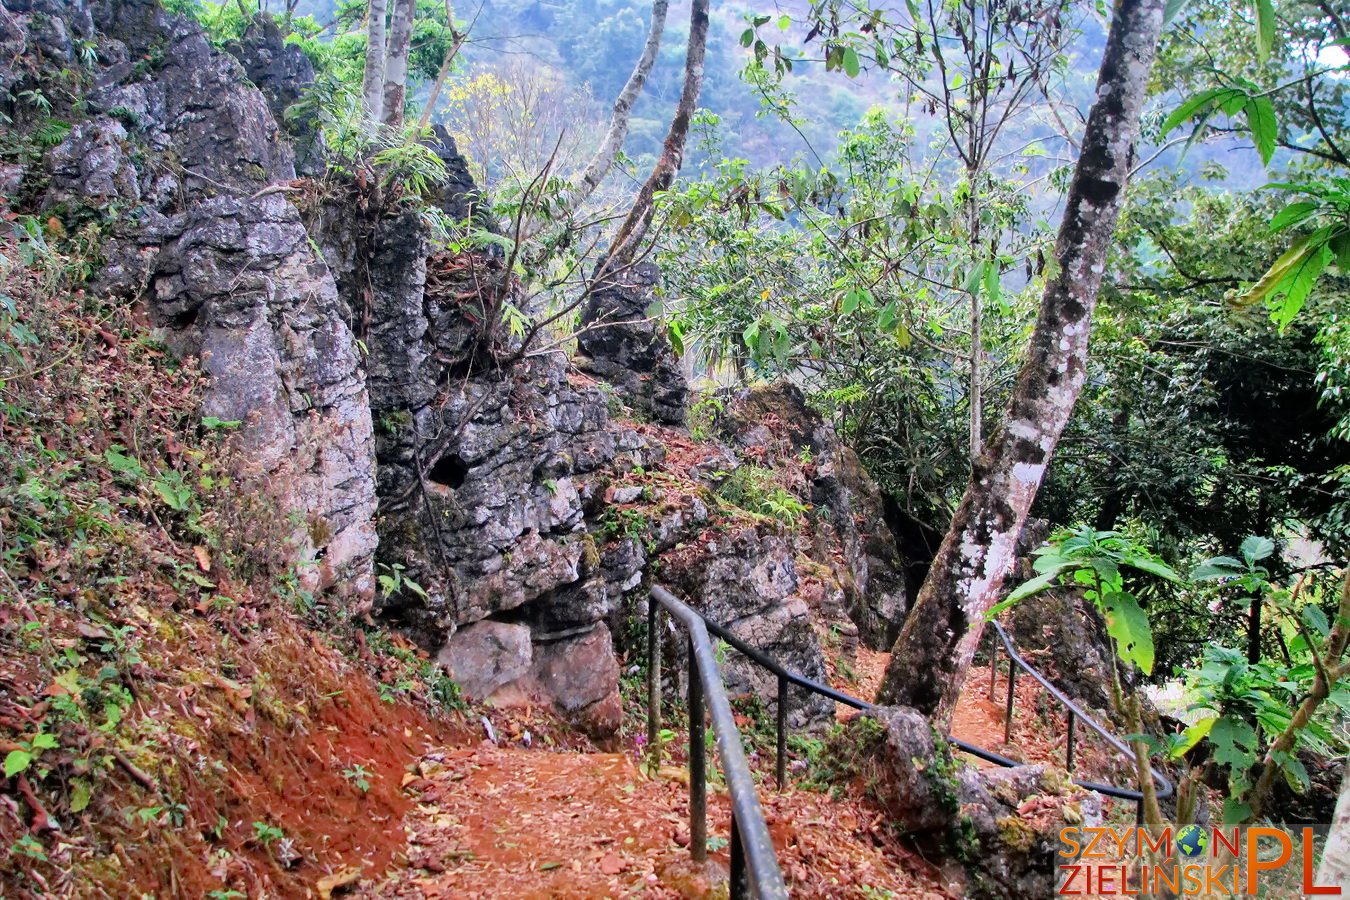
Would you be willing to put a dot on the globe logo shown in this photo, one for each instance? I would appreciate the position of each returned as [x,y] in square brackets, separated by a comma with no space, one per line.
[1192,840]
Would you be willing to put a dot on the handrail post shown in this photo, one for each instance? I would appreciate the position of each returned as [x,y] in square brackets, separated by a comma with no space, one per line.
[654,683]
[781,768]
[1073,720]
[740,881]
[698,764]
[1012,686]
[993,668]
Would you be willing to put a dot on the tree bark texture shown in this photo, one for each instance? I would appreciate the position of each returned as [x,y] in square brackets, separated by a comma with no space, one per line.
[396,62]
[600,163]
[634,228]
[934,650]
[1335,867]
[456,42]
[372,82]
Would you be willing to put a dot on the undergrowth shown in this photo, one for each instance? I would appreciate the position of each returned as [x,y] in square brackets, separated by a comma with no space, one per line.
[169,724]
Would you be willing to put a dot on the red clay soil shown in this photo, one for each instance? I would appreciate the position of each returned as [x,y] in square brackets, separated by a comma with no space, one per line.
[509,822]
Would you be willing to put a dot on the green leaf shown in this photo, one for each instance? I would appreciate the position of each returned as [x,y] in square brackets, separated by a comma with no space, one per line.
[1190,737]
[1294,214]
[16,762]
[1150,565]
[1284,310]
[852,65]
[1234,743]
[1197,104]
[747,37]
[1261,120]
[1173,9]
[993,287]
[1254,549]
[1265,28]
[80,795]
[1279,271]
[784,22]
[45,741]
[1034,585]
[1127,623]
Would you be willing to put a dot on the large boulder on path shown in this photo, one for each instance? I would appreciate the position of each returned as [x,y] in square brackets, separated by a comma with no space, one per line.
[998,828]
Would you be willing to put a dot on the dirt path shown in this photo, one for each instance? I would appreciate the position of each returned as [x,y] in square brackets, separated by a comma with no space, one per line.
[509,822]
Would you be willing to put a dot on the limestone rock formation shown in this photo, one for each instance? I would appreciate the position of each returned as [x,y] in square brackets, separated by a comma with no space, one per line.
[184,162]
[1002,823]
[621,343]
[774,424]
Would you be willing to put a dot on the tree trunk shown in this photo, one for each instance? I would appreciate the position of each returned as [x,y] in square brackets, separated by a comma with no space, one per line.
[396,62]
[372,82]
[456,42]
[931,656]
[634,228]
[604,156]
[1335,867]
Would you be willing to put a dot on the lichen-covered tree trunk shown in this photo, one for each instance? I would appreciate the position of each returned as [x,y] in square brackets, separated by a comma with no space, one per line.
[604,156]
[372,81]
[634,227]
[934,650]
[396,62]
[1335,867]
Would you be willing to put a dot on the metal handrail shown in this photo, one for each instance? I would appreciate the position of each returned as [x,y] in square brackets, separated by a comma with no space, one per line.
[787,677]
[1075,713]
[754,864]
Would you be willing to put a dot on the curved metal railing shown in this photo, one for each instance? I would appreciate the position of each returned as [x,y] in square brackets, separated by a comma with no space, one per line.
[787,678]
[1075,713]
[754,865]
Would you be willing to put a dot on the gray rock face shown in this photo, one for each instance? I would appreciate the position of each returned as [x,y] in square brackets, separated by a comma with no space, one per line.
[1003,824]
[282,71]
[746,582]
[775,423]
[622,345]
[227,268]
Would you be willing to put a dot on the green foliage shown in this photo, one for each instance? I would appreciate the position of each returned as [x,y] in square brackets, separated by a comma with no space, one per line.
[756,489]
[1094,561]
[359,776]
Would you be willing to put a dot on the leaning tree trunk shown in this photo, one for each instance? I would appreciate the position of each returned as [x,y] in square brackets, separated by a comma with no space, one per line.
[604,156]
[456,42]
[372,82]
[396,63]
[1335,868]
[934,650]
[634,228]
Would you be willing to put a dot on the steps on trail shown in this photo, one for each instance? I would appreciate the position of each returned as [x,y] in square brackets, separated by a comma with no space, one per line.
[515,823]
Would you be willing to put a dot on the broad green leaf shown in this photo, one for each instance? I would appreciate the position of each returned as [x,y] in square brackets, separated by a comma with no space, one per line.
[1173,9]
[851,302]
[1293,214]
[45,741]
[1265,28]
[1234,743]
[784,22]
[1281,269]
[1261,120]
[16,762]
[1254,549]
[1191,736]
[1127,623]
[1284,310]
[747,37]
[1198,104]
[1151,566]
[1034,586]
[993,287]
[852,65]
[80,795]
[1218,567]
